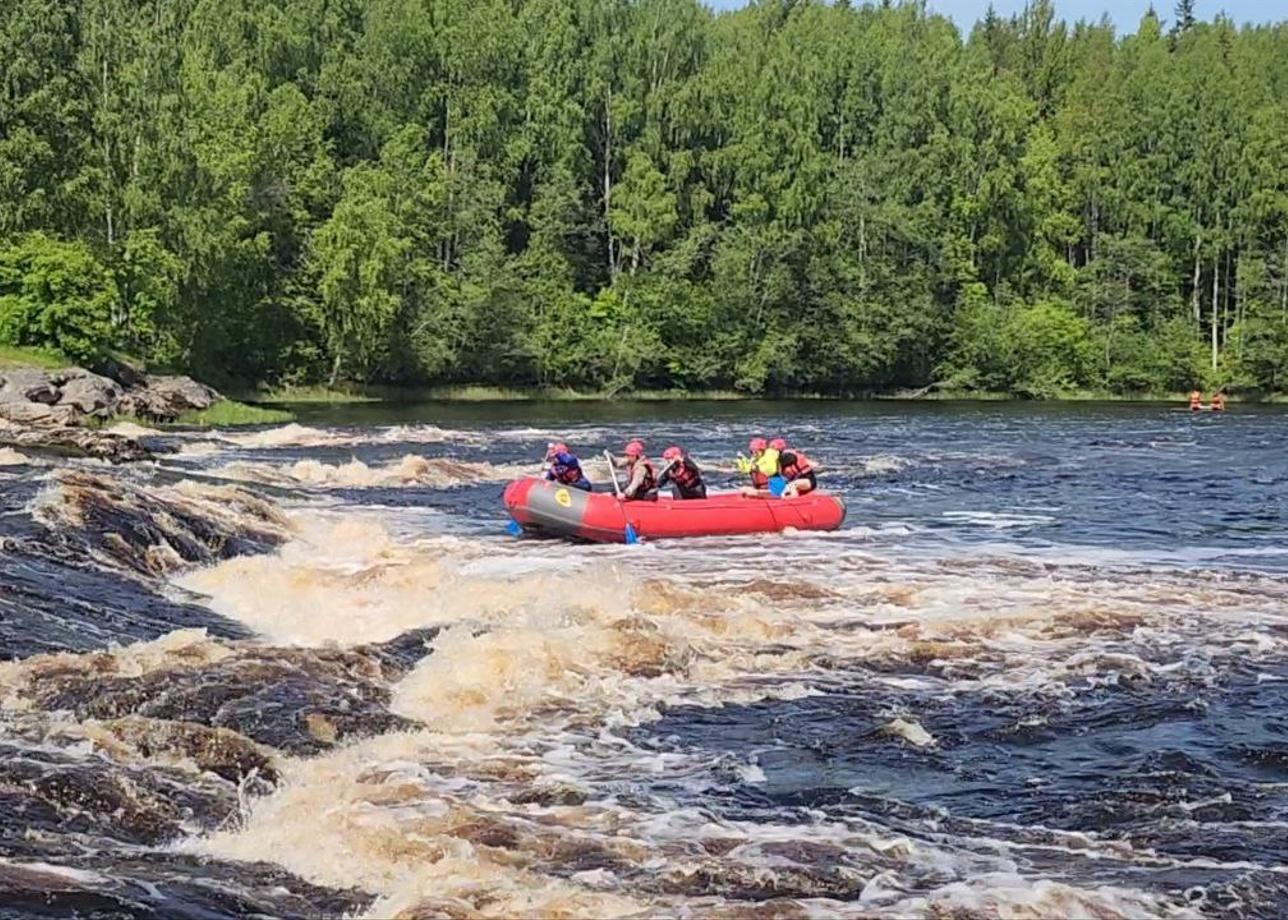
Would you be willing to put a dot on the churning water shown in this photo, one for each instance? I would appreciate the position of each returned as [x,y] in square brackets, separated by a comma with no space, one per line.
[304,671]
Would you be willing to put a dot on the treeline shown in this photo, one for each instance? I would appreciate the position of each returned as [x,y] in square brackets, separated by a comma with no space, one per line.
[796,196]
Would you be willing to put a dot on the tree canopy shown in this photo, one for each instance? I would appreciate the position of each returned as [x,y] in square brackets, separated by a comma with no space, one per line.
[616,194]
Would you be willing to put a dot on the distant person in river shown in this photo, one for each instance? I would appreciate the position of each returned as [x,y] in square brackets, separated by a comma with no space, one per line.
[1196,400]
[1218,401]
[762,464]
[642,482]
[680,471]
[796,471]
[563,467]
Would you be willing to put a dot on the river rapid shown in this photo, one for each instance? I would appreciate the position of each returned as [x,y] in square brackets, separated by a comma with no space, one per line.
[304,671]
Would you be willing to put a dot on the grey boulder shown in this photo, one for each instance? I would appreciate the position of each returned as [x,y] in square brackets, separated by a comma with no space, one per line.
[90,394]
[27,384]
[165,398]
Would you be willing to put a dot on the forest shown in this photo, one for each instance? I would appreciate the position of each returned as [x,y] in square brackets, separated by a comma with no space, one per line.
[616,195]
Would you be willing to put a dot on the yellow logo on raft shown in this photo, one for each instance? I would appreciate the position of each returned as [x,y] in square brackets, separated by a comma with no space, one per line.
[563,498]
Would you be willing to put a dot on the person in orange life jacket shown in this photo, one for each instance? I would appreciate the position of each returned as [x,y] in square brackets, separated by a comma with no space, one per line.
[1196,400]
[681,471]
[564,468]
[642,483]
[1218,401]
[794,467]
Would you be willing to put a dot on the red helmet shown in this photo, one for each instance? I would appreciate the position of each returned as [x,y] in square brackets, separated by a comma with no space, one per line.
[556,447]
[778,444]
[635,449]
[673,453]
[756,444]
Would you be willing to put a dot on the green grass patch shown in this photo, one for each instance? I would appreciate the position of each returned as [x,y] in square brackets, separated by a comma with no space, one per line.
[16,356]
[228,413]
[315,394]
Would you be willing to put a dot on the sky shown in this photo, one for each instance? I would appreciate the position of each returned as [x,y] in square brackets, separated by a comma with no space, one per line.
[1125,14]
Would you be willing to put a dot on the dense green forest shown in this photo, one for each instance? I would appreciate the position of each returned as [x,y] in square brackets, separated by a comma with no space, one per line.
[616,194]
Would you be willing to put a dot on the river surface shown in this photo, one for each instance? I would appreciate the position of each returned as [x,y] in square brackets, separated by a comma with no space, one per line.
[304,670]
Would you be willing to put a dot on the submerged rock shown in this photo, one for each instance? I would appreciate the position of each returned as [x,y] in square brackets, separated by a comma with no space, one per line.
[157,529]
[52,605]
[299,701]
[49,430]
[159,884]
[79,552]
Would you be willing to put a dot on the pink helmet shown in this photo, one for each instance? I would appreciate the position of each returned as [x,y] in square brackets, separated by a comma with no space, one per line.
[778,444]
[557,447]
[756,444]
[635,449]
[672,453]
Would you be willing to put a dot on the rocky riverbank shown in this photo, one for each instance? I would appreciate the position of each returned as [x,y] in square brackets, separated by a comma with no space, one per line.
[46,411]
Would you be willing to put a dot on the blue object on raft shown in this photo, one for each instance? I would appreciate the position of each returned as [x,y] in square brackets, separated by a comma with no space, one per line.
[776,486]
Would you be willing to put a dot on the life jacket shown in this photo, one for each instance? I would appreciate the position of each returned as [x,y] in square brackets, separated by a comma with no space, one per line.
[763,467]
[685,475]
[794,468]
[1196,399]
[1218,402]
[650,477]
[566,473]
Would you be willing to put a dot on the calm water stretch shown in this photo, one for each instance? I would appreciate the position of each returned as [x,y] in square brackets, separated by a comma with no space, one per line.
[1043,670]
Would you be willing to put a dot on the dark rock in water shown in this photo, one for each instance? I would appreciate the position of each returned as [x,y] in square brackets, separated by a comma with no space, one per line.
[47,605]
[71,572]
[164,885]
[401,653]
[45,792]
[218,750]
[296,700]
[156,529]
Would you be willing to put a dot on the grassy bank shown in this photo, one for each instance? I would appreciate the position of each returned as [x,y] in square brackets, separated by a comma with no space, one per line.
[229,413]
[315,393]
[14,356]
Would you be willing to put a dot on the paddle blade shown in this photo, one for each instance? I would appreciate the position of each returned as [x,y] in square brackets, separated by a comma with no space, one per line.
[513,528]
[776,486]
[631,538]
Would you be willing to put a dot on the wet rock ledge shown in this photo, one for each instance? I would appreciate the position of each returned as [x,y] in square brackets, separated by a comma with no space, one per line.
[46,411]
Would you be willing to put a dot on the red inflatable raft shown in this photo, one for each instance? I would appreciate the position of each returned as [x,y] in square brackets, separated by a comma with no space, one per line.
[553,510]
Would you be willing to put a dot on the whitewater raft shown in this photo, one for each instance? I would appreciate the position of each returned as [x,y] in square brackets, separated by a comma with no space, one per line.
[552,510]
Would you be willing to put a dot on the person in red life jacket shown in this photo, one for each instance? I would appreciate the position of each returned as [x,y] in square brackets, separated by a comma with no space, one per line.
[1218,401]
[683,473]
[563,467]
[794,467]
[641,485]
[1196,400]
